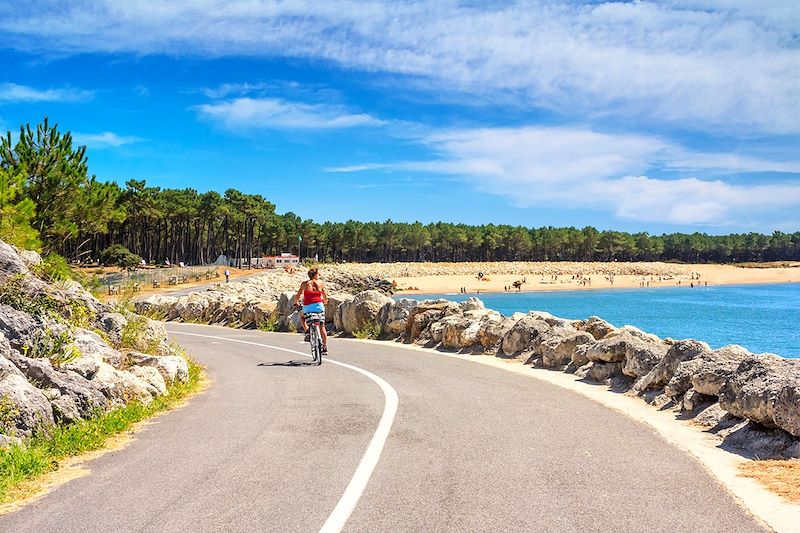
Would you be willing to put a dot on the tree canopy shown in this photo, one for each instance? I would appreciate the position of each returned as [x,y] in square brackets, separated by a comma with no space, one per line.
[47,194]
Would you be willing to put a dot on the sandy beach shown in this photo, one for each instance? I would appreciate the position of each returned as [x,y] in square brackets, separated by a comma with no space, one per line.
[443,278]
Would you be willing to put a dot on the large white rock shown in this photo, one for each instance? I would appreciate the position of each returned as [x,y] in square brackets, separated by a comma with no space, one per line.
[364,309]
[171,367]
[519,339]
[30,406]
[394,317]
[151,376]
[121,386]
[93,347]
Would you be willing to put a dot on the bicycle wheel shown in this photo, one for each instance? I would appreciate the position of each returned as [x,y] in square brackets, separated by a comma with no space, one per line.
[314,348]
[319,344]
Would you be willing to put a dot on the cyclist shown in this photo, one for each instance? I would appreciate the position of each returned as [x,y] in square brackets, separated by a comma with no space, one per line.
[314,300]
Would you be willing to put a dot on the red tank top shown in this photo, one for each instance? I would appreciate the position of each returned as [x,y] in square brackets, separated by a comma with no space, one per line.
[311,297]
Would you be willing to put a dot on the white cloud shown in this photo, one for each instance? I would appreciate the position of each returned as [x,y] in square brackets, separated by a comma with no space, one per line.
[104,139]
[359,168]
[12,92]
[276,113]
[580,168]
[704,64]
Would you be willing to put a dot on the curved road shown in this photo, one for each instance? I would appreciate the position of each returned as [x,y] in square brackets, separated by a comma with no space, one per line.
[271,447]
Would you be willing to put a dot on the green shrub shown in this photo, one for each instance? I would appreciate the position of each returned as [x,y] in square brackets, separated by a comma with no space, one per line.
[370,330]
[8,416]
[118,255]
[268,324]
[13,295]
[133,335]
[57,347]
[55,268]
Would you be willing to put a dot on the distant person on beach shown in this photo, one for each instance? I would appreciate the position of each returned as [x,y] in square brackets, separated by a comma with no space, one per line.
[227,275]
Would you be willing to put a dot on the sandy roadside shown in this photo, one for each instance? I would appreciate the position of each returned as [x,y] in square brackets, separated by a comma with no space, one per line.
[684,275]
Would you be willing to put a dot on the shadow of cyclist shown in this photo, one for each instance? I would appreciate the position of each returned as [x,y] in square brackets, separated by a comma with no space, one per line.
[288,363]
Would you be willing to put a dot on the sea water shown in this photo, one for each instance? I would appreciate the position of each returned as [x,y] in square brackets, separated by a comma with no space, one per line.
[762,318]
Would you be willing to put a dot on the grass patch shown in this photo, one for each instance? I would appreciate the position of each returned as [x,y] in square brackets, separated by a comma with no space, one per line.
[779,476]
[268,324]
[41,453]
[370,330]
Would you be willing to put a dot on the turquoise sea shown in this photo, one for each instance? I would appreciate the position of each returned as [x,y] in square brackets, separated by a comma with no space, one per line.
[762,318]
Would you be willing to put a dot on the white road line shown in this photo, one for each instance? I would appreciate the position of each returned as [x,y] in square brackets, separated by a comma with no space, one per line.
[347,503]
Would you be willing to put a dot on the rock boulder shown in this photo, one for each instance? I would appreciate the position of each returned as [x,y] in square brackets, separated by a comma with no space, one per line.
[519,339]
[364,309]
[765,389]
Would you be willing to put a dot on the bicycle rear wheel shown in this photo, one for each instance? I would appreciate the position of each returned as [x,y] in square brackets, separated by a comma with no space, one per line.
[319,344]
[313,333]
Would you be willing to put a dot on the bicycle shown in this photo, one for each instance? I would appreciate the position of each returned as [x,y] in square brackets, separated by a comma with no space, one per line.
[314,321]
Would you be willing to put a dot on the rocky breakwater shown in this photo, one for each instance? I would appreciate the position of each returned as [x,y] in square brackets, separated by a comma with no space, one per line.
[64,355]
[260,301]
[751,401]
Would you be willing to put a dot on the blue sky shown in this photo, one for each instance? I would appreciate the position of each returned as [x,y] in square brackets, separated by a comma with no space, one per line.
[673,116]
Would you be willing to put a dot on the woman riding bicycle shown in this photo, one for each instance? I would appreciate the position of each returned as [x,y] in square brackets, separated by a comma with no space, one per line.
[314,300]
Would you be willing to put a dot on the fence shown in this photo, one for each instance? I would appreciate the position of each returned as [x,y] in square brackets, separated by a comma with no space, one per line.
[157,277]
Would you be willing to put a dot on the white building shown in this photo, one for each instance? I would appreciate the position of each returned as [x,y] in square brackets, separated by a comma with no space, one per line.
[279,261]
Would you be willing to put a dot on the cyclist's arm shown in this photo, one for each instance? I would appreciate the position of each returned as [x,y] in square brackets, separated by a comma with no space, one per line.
[296,299]
[324,293]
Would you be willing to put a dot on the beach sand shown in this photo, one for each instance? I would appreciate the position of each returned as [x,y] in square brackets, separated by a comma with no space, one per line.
[571,276]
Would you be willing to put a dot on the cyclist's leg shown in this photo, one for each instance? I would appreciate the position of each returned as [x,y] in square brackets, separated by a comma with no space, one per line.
[324,335]
[303,320]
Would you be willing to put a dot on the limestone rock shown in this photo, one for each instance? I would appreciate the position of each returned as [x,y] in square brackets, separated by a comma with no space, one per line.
[155,305]
[65,410]
[286,303]
[394,317]
[611,349]
[6,441]
[22,330]
[596,327]
[716,367]
[87,397]
[171,367]
[10,261]
[558,344]
[519,339]
[579,357]
[30,406]
[113,324]
[677,353]
[151,376]
[642,354]
[492,330]
[765,389]
[550,319]
[420,323]
[334,300]
[681,380]
[93,347]
[461,332]
[472,304]
[121,386]
[693,399]
[760,441]
[599,371]
[28,257]
[364,309]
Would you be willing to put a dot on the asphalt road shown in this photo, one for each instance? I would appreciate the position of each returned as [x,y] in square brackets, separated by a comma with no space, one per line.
[270,447]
